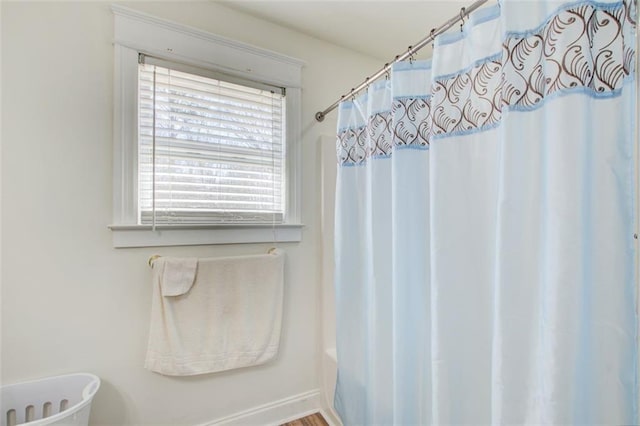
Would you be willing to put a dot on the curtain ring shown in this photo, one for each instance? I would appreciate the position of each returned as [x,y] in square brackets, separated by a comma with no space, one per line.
[410,56]
[433,37]
[462,14]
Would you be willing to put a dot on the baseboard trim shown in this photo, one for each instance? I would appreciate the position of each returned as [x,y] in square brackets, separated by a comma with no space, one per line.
[274,413]
[331,418]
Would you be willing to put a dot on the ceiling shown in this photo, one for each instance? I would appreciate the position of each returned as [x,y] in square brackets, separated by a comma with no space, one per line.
[381,29]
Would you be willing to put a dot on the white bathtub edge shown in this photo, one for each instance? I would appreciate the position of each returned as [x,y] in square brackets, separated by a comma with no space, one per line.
[329,373]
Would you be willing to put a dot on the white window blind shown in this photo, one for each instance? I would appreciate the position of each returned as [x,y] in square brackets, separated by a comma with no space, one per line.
[209,150]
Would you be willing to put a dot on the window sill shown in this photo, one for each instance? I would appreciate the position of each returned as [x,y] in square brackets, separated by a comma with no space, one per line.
[189,235]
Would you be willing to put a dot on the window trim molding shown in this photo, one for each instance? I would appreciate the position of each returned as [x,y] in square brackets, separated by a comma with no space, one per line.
[136,32]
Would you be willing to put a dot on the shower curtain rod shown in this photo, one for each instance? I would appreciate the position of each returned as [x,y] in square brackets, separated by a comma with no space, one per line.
[465,11]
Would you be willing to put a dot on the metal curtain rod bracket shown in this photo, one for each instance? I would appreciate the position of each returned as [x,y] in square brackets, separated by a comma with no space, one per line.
[465,11]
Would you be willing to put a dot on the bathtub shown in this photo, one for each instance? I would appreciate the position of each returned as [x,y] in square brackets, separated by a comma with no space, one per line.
[329,374]
[327,155]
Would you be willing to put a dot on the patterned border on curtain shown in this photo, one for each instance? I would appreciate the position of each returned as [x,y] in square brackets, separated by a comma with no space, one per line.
[555,59]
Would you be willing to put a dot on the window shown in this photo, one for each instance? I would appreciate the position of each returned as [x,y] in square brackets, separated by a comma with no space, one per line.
[209,150]
[206,132]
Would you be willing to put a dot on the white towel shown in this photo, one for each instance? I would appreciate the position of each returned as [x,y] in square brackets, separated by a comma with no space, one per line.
[230,317]
[178,275]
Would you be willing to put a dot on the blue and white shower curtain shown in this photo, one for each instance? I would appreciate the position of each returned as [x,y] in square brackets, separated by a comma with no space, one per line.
[484,226]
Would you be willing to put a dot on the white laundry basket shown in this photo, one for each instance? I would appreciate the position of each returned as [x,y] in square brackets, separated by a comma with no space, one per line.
[61,400]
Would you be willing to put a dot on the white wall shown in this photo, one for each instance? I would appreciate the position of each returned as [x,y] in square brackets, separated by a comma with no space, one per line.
[71,302]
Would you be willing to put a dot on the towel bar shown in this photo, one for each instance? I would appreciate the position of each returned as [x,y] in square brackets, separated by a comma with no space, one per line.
[152,259]
[156,256]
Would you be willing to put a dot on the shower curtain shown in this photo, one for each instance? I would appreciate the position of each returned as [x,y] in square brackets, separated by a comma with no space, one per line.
[485,267]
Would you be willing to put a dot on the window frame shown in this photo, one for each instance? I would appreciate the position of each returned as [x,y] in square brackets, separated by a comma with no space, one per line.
[136,32]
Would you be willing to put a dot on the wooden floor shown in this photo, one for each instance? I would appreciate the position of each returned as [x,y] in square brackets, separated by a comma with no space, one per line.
[312,420]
